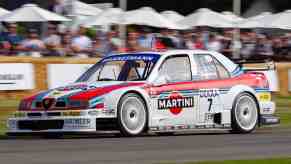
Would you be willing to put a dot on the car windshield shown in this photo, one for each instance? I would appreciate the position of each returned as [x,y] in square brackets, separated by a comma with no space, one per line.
[127,67]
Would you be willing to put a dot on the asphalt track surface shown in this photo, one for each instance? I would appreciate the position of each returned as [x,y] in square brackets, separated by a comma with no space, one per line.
[146,149]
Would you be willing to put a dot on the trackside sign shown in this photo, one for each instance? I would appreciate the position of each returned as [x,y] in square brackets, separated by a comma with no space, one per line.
[16,76]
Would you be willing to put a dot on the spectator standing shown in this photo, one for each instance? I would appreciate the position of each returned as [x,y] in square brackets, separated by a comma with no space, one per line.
[248,46]
[52,40]
[146,39]
[12,40]
[214,44]
[286,47]
[102,46]
[227,47]
[188,41]
[65,48]
[81,44]
[263,46]
[165,39]
[33,44]
[199,43]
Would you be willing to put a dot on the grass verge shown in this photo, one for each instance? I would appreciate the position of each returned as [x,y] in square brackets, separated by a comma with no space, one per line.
[260,161]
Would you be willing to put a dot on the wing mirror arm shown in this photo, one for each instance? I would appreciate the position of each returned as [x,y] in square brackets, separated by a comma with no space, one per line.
[160,80]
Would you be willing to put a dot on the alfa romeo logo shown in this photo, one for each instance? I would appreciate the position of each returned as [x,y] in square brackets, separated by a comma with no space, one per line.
[48,102]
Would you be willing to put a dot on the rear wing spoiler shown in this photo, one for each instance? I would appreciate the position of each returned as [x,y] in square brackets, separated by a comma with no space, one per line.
[268,67]
[256,65]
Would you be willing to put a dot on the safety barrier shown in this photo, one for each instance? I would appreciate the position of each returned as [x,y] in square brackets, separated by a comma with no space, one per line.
[40,72]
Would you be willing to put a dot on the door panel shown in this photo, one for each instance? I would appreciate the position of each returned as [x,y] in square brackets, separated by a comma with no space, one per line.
[175,106]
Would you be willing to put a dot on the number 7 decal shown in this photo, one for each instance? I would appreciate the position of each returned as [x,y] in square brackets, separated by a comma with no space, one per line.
[210,100]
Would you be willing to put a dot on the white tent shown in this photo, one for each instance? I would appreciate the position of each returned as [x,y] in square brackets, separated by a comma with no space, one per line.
[172,15]
[148,16]
[280,20]
[253,22]
[108,17]
[32,13]
[207,17]
[230,15]
[3,11]
[77,8]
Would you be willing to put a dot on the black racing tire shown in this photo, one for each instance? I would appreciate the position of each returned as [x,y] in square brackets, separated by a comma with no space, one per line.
[132,115]
[244,114]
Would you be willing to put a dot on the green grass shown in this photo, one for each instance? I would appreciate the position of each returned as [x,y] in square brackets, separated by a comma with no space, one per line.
[6,108]
[261,161]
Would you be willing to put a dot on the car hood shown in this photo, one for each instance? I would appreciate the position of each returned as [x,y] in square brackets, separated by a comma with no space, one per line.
[84,91]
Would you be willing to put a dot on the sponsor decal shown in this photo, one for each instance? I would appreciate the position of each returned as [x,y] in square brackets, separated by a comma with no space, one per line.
[131,57]
[209,92]
[75,87]
[77,123]
[175,103]
[209,117]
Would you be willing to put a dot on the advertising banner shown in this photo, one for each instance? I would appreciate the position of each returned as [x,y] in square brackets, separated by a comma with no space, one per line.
[63,74]
[16,76]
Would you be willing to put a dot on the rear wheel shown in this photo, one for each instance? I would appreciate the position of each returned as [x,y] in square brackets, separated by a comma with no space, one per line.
[244,114]
[132,115]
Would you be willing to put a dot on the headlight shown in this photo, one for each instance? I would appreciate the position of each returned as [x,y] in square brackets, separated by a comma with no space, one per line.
[74,113]
[19,114]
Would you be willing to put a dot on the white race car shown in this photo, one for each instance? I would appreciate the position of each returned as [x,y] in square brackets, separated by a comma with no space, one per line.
[134,93]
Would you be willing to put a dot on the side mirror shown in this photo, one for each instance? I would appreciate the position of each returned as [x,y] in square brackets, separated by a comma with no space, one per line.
[160,80]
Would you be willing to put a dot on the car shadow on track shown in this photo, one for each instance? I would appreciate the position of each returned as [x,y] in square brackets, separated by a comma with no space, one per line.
[59,136]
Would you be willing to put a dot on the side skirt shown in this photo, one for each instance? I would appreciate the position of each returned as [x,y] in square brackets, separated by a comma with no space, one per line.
[180,128]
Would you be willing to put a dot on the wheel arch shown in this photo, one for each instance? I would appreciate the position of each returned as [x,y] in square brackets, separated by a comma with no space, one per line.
[143,96]
[237,90]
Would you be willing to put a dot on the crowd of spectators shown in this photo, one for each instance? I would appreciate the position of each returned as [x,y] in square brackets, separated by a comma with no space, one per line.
[75,43]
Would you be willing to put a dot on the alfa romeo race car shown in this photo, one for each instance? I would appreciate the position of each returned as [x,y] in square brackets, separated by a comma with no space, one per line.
[162,92]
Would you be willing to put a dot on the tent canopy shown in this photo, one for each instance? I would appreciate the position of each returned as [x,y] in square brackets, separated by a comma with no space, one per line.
[172,15]
[32,13]
[207,17]
[3,11]
[78,8]
[253,22]
[230,15]
[149,17]
[280,20]
[108,17]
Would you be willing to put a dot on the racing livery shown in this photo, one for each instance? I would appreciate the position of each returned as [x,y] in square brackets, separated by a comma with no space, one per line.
[169,91]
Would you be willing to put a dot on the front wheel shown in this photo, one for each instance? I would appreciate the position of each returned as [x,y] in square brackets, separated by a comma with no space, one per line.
[132,115]
[244,114]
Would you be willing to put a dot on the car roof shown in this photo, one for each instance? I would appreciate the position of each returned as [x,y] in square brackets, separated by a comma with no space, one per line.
[226,62]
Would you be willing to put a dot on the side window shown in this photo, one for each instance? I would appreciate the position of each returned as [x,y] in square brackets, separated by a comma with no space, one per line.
[206,67]
[209,68]
[223,73]
[177,68]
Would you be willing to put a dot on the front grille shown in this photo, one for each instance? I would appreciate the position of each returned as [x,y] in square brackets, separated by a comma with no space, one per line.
[40,124]
[60,104]
[34,114]
[52,114]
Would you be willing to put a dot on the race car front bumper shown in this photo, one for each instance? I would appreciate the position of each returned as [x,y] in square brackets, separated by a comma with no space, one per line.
[58,121]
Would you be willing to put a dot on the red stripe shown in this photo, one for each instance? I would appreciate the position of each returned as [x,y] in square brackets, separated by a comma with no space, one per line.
[250,79]
[87,95]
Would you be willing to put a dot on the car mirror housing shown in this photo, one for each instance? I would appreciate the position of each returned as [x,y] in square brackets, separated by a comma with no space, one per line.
[160,80]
